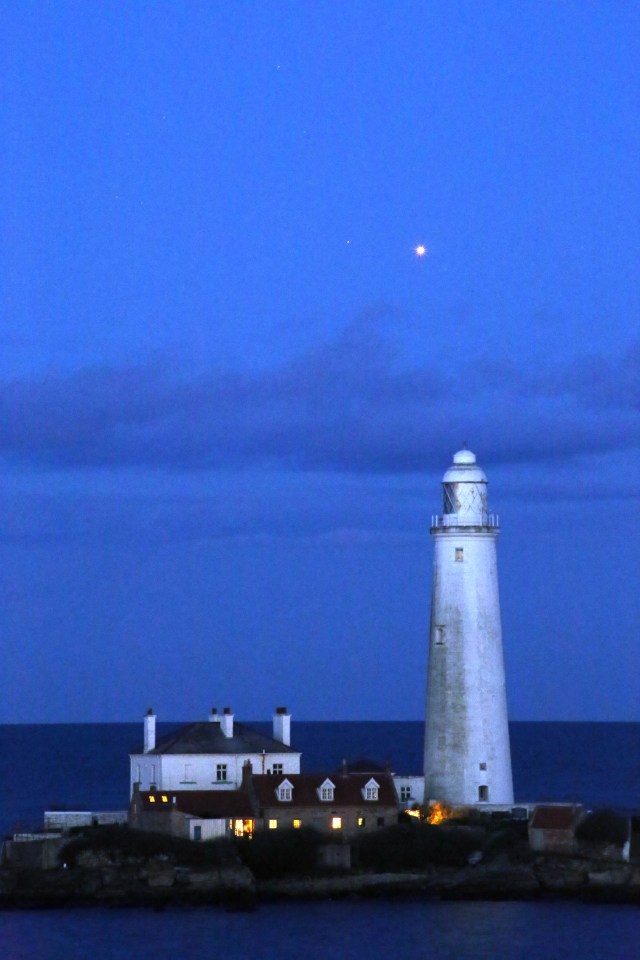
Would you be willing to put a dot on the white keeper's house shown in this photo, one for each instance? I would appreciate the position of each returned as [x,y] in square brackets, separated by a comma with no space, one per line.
[210,755]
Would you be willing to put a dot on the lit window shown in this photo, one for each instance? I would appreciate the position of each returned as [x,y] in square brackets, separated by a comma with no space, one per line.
[459,554]
[277,768]
[336,823]
[221,772]
[273,824]
[361,821]
[165,799]
[152,799]
[297,824]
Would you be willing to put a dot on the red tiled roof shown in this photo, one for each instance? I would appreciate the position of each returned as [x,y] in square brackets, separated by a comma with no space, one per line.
[306,786]
[207,804]
[554,817]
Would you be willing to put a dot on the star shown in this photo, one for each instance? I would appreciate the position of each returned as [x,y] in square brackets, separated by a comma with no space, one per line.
[420,250]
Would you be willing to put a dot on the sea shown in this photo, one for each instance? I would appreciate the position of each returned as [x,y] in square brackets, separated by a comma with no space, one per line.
[85,767]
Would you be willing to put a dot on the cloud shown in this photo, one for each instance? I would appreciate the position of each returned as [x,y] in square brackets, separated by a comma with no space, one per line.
[355,404]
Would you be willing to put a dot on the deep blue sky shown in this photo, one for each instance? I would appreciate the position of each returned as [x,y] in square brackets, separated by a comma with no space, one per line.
[229,388]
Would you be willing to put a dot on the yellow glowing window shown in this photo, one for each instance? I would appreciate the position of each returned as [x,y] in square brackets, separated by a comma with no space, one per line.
[361,821]
[165,799]
[152,799]
[336,823]
[273,824]
[459,553]
[297,824]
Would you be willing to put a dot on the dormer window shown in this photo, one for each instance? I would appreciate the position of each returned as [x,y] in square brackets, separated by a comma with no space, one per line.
[325,791]
[370,790]
[285,791]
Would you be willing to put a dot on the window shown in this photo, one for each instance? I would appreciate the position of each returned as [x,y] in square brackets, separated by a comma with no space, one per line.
[152,799]
[285,791]
[361,821]
[370,791]
[405,793]
[277,768]
[483,766]
[188,774]
[483,793]
[221,772]
[165,799]
[326,791]
[273,824]
[297,824]
[459,554]
[336,823]
[197,833]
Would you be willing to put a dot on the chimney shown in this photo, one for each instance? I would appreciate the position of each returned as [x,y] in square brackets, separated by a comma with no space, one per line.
[149,731]
[214,716]
[226,722]
[282,726]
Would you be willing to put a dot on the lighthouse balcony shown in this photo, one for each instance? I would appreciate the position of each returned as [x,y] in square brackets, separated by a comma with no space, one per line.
[465,520]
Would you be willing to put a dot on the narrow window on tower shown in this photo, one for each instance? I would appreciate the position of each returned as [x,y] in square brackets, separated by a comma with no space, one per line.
[483,766]
[483,794]
[439,639]
[459,554]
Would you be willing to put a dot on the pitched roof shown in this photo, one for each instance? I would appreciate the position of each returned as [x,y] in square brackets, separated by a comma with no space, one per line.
[555,817]
[207,737]
[207,804]
[347,793]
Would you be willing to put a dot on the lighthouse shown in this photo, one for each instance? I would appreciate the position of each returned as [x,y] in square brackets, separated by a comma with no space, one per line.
[467,759]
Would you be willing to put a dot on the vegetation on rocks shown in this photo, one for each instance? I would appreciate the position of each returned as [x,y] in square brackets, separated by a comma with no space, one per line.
[603,826]
[119,843]
[415,846]
[280,853]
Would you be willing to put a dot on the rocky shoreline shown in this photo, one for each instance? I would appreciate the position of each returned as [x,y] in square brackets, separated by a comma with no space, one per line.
[159,884]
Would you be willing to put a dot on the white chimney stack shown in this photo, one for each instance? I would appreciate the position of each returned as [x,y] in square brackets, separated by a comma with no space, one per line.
[282,726]
[214,716]
[149,731]
[226,722]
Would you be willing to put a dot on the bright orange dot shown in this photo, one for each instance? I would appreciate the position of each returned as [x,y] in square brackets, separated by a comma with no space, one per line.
[420,250]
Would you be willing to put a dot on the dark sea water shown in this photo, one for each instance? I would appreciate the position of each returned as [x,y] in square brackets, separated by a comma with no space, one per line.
[86,767]
[324,931]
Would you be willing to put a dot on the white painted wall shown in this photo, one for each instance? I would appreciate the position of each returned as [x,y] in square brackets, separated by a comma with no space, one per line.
[415,785]
[466,723]
[198,771]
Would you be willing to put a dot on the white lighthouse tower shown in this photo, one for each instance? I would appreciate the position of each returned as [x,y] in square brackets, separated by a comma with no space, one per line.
[467,759]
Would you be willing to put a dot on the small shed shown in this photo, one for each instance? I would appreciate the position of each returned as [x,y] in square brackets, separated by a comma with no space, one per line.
[552,827]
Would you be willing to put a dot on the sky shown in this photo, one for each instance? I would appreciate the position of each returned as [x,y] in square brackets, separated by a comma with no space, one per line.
[229,387]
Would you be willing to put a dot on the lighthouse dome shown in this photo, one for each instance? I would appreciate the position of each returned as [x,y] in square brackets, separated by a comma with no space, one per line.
[464,469]
[464,488]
